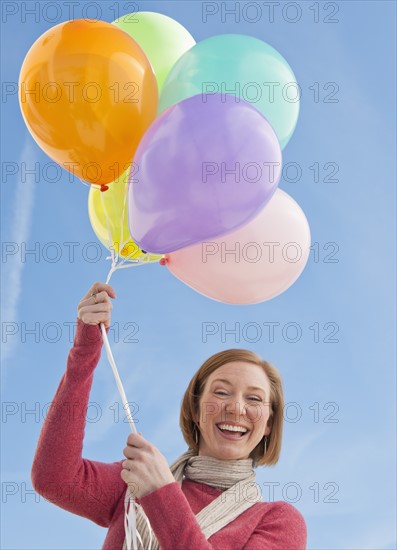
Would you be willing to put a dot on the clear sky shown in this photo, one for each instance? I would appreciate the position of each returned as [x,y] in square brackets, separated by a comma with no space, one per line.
[338,459]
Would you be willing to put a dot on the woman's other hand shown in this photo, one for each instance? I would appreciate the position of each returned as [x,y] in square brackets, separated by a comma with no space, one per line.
[145,469]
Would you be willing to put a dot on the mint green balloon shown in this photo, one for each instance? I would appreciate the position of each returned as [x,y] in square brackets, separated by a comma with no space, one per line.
[243,66]
[162,39]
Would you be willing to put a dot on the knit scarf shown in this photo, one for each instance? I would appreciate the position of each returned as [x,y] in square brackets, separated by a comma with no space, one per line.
[236,478]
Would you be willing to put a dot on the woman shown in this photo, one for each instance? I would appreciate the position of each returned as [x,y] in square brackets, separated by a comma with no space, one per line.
[231,419]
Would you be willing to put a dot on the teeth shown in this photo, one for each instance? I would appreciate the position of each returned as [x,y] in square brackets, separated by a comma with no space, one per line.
[232,428]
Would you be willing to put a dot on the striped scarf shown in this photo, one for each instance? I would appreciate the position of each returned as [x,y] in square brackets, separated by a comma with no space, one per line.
[236,479]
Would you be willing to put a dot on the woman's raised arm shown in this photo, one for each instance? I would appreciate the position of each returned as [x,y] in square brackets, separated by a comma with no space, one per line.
[59,473]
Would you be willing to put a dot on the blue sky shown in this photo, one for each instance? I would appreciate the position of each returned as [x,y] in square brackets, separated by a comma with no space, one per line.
[338,459]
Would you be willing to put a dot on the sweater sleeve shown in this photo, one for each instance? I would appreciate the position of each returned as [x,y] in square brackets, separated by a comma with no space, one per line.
[282,528]
[59,473]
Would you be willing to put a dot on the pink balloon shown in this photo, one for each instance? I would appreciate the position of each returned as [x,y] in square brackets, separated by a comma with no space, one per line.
[252,264]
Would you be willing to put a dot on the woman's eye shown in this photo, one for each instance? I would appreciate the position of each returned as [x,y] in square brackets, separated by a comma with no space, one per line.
[255,399]
[220,393]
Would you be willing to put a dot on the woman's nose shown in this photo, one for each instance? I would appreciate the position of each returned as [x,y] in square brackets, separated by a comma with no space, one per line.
[236,406]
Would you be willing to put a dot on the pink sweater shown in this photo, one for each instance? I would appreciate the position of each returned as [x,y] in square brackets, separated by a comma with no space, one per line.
[96,491]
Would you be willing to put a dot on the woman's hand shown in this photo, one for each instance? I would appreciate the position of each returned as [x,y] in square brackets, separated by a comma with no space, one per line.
[145,469]
[96,306]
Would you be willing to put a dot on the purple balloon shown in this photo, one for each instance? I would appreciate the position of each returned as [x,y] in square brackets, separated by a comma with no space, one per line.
[206,166]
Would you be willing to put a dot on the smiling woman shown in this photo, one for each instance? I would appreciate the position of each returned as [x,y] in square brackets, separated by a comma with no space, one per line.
[235,395]
[231,419]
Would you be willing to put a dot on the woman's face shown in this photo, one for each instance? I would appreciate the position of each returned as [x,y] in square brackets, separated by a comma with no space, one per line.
[236,397]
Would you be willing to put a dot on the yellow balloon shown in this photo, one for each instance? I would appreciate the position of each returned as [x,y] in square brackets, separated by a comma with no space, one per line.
[110,209]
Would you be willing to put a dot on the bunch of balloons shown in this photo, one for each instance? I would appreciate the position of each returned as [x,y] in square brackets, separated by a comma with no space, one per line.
[181,143]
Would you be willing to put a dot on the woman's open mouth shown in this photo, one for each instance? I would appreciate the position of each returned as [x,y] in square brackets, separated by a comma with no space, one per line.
[231,432]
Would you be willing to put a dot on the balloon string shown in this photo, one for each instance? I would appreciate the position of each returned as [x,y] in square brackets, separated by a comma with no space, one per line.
[111,248]
[116,264]
[112,195]
[103,330]
[130,505]
[117,378]
[129,514]
[128,265]
[129,257]
[122,215]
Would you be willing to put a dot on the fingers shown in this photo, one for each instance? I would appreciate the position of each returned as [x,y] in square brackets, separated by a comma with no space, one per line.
[99,287]
[94,315]
[136,442]
[95,299]
[95,304]
[127,464]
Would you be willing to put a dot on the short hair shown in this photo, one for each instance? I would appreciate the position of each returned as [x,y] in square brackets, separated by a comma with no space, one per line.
[190,402]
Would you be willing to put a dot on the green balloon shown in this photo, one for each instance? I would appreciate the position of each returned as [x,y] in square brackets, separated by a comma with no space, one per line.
[243,66]
[162,39]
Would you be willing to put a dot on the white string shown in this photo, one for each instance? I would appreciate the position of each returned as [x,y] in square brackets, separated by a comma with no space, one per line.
[122,221]
[135,261]
[135,264]
[130,506]
[123,245]
[118,381]
[130,521]
[114,260]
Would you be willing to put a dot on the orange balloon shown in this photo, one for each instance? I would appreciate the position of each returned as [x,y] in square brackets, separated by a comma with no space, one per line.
[88,93]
